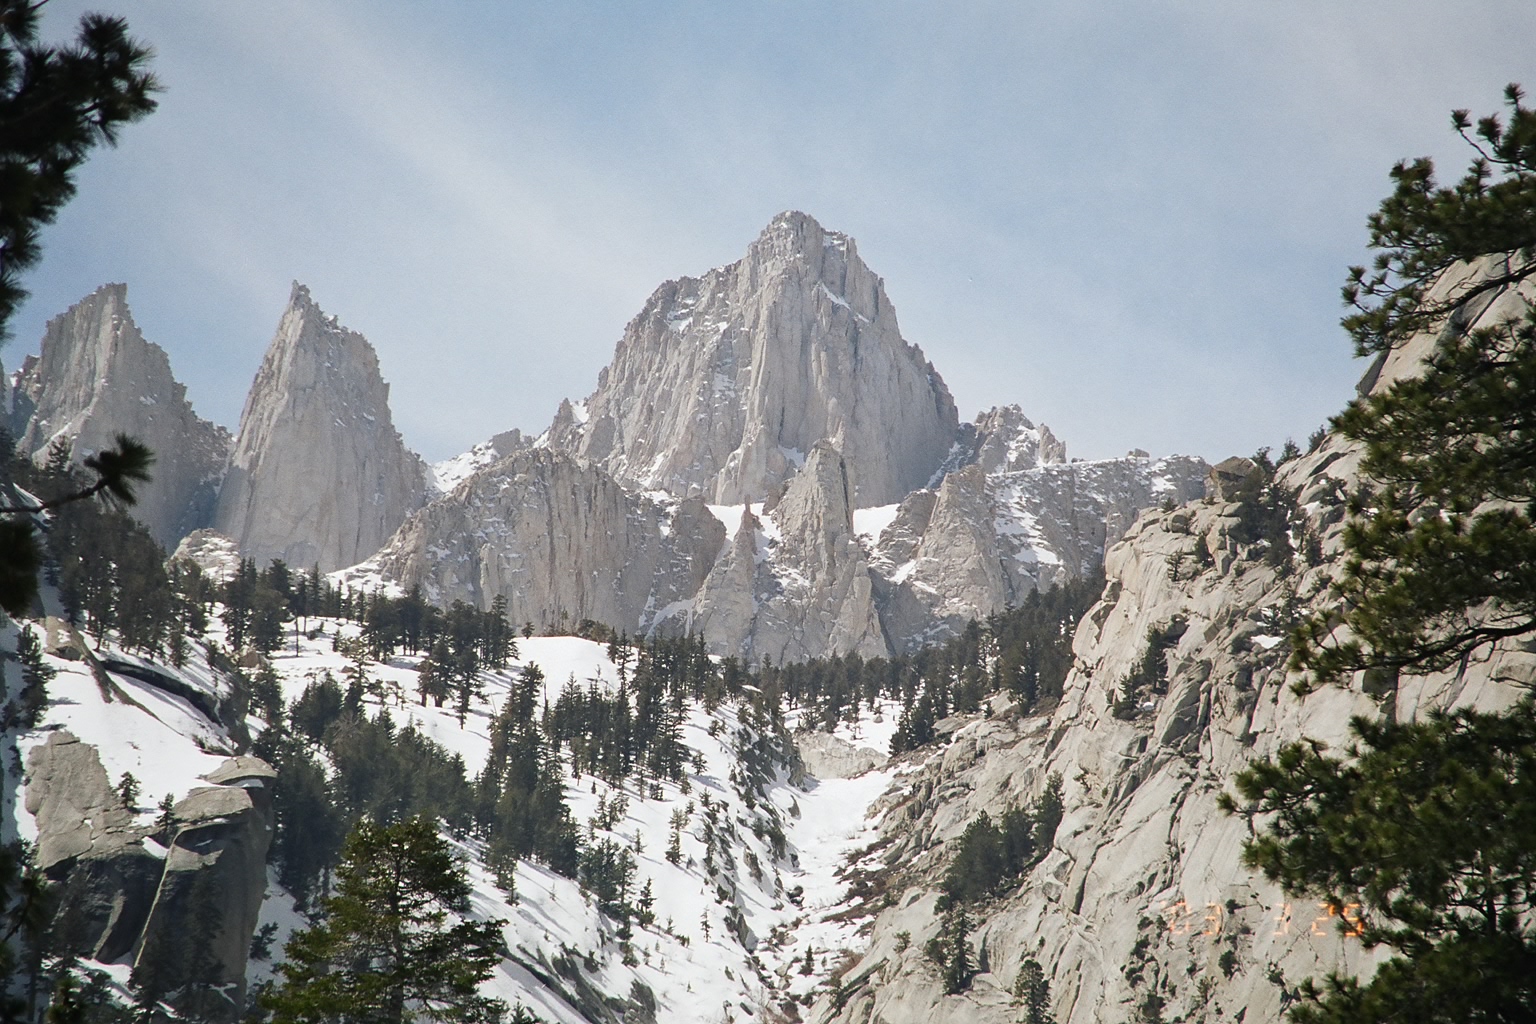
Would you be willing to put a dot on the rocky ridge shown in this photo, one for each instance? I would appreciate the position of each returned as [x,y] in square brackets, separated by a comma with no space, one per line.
[1143,909]
[556,536]
[318,474]
[96,377]
[1012,517]
[804,589]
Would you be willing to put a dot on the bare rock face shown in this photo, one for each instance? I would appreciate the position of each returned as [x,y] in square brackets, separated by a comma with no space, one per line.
[318,475]
[215,554]
[798,586]
[1143,906]
[1006,441]
[1013,518]
[183,914]
[96,377]
[722,384]
[560,539]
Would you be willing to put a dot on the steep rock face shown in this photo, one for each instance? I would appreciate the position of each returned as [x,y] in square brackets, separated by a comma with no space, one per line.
[722,384]
[559,538]
[97,377]
[1013,517]
[185,913]
[1143,902]
[318,474]
[801,587]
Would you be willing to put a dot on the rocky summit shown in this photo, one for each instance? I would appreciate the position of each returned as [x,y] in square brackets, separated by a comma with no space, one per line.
[810,494]
[318,474]
[758,361]
[97,377]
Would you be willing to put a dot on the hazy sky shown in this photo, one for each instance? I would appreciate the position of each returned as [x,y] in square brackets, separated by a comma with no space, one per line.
[1132,219]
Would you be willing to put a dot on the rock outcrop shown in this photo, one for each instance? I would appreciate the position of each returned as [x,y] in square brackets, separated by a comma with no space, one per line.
[796,585]
[182,907]
[318,474]
[96,377]
[722,384]
[1012,517]
[559,539]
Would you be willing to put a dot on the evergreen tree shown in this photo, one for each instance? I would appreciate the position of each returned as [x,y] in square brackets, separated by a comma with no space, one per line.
[1430,826]
[950,951]
[1430,829]
[1033,993]
[1442,551]
[27,709]
[384,951]
[56,104]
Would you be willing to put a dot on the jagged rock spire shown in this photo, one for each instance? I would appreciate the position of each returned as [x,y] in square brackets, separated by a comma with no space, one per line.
[96,377]
[319,474]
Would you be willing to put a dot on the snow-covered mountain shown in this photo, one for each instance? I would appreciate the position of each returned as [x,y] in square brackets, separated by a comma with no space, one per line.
[790,390]
[809,493]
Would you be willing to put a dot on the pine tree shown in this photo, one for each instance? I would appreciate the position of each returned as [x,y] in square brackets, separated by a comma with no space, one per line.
[1441,553]
[1033,993]
[384,950]
[950,950]
[128,791]
[1429,830]
[1429,826]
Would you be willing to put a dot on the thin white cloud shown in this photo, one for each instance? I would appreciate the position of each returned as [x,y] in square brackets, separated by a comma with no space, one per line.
[1131,219]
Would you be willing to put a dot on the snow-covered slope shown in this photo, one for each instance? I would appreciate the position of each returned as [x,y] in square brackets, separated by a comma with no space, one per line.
[762,848]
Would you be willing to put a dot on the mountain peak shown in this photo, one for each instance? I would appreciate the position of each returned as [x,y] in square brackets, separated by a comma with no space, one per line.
[95,377]
[318,411]
[793,344]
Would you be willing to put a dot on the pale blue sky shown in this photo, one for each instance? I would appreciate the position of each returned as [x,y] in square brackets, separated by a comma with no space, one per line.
[1131,219]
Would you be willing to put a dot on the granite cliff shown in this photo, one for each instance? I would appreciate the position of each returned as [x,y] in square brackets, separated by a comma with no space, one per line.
[97,377]
[722,384]
[1143,909]
[318,474]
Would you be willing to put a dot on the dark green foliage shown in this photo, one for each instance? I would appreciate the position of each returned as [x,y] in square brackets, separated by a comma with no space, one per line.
[1150,676]
[128,791]
[1025,651]
[608,873]
[1032,992]
[990,855]
[309,828]
[26,908]
[1441,556]
[388,773]
[56,104]
[1423,229]
[25,711]
[979,864]
[950,950]
[520,794]
[20,559]
[1266,511]
[317,708]
[385,949]
[109,571]
[1431,827]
